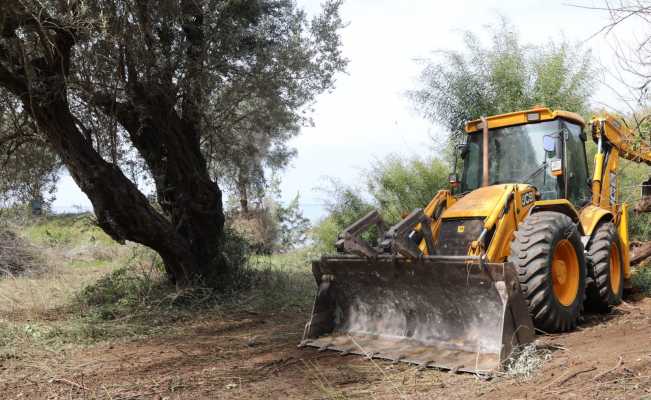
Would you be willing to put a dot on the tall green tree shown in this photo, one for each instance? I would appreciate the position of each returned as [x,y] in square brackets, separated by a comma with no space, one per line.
[501,76]
[109,83]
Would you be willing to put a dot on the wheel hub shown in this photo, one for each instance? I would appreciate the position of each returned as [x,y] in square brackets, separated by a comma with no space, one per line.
[560,272]
[565,273]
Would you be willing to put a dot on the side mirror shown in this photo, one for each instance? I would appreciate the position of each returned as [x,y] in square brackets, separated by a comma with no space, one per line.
[453,179]
[549,143]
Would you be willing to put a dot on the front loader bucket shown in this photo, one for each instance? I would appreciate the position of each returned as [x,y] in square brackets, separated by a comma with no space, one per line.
[449,312]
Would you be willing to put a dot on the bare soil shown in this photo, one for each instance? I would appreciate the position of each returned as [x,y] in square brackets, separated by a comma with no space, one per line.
[251,356]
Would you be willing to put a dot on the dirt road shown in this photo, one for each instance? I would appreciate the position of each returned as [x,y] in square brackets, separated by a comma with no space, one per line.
[250,356]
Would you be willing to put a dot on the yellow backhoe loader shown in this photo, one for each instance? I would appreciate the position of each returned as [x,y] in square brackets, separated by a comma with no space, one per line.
[520,243]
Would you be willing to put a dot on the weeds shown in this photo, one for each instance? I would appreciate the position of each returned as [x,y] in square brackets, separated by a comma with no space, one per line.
[141,290]
[95,290]
[71,230]
[642,279]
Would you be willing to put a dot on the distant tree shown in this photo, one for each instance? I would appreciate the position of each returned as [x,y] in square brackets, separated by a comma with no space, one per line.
[243,165]
[259,109]
[29,170]
[269,226]
[112,84]
[502,76]
[293,226]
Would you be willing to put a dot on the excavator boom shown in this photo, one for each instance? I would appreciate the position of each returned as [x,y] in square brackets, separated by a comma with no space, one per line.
[622,138]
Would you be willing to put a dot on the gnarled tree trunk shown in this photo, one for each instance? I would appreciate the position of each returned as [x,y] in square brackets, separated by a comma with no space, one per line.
[189,236]
[190,240]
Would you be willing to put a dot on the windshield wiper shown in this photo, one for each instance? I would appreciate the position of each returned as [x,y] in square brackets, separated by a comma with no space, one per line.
[534,173]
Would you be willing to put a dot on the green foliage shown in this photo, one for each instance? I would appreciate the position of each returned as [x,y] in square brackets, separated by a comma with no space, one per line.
[632,175]
[344,205]
[136,299]
[255,112]
[325,234]
[66,230]
[395,186]
[122,290]
[399,185]
[280,281]
[641,279]
[503,76]
[28,169]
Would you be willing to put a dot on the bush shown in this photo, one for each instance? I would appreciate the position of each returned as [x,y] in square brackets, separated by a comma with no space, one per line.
[125,290]
[16,255]
[395,186]
[399,185]
[140,288]
[344,205]
[632,176]
[642,279]
[271,227]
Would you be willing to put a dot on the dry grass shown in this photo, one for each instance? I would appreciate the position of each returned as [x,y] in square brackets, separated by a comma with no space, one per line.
[91,289]
[31,298]
[60,268]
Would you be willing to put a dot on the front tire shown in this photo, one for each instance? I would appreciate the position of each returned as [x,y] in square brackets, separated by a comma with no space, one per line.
[548,255]
[605,268]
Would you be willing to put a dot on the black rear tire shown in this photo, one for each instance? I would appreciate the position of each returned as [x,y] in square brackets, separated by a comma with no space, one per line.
[532,250]
[602,292]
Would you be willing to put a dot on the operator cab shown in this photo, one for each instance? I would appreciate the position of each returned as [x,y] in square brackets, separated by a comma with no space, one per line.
[539,147]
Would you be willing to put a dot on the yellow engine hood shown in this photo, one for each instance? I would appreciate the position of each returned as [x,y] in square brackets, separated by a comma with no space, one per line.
[478,203]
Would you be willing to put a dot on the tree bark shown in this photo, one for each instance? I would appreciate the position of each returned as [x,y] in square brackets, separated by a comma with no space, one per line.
[243,194]
[189,242]
[640,253]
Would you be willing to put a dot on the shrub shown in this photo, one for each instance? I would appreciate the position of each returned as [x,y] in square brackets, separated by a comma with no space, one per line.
[16,255]
[642,279]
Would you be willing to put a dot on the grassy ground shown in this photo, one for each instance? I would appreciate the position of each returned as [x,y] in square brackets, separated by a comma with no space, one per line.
[99,320]
[91,289]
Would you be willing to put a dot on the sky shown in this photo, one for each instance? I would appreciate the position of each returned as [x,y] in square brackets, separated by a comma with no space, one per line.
[367,116]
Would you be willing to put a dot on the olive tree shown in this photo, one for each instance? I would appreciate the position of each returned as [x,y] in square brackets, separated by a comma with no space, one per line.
[112,82]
